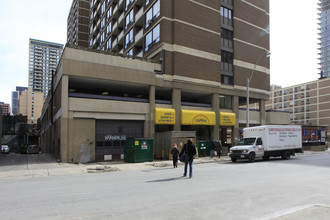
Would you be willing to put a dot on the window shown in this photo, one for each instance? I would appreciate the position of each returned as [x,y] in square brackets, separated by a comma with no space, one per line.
[128,3]
[129,38]
[152,13]
[102,23]
[102,38]
[227,16]
[108,28]
[152,37]
[103,8]
[225,102]
[108,44]
[109,13]
[130,52]
[129,18]
[259,141]
[147,2]
[227,60]
[226,38]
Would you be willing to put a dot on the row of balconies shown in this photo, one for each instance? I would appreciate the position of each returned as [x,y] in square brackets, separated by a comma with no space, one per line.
[118,30]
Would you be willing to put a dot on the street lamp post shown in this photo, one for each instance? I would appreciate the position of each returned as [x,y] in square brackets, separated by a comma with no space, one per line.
[248,80]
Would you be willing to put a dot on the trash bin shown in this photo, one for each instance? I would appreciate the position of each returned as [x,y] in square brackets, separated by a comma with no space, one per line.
[138,150]
[203,148]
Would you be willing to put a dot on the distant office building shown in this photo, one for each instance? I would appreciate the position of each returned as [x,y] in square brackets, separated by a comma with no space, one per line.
[307,103]
[44,57]
[78,23]
[5,108]
[30,105]
[15,98]
[324,22]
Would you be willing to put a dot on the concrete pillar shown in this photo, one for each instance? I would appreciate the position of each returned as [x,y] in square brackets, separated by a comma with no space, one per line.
[262,110]
[216,109]
[234,135]
[150,119]
[176,101]
[65,149]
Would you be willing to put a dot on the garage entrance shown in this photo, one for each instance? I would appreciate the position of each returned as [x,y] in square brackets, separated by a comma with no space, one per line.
[111,136]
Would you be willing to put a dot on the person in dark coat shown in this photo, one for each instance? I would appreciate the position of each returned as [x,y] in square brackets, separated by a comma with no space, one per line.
[213,148]
[175,155]
[190,150]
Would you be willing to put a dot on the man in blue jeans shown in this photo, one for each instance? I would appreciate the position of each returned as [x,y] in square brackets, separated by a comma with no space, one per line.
[190,150]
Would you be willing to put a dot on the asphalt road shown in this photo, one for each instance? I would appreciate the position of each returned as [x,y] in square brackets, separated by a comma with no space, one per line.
[259,190]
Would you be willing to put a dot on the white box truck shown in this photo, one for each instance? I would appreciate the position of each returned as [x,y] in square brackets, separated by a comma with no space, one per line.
[268,141]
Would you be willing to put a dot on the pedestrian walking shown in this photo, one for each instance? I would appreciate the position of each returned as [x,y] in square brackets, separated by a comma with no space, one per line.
[188,152]
[212,148]
[175,155]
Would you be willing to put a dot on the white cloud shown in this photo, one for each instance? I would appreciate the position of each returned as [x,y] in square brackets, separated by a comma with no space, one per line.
[19,21]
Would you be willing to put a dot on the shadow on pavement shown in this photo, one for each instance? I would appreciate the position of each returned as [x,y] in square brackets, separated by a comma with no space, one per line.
[166,180]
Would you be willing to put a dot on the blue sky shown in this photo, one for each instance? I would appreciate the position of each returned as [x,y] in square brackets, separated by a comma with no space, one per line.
[293,44]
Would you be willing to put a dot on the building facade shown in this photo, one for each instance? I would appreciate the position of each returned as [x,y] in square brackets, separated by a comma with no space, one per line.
[324,21]
[15,98]
[30,105]
[78,23]
[5,108]
[307,103]
[158,66]
[43,59]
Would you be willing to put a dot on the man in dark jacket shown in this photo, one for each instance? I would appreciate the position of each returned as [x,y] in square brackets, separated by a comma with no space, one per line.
[190,150]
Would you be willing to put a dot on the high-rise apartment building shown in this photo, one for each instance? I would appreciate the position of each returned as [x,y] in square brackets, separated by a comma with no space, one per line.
[308,103]
[324,22]
[43,59]
[78,23]
[158,66]
[30,105]
[15,98]
[5,108]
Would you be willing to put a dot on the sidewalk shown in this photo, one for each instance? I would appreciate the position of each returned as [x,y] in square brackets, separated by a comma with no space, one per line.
[59,169]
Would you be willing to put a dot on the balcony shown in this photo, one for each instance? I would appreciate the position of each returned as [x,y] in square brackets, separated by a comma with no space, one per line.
[120,36]
[114,43]
[115,12]
[121,5]
[139,38]
[121,21]
[139,18]
[115,28]
[140,54]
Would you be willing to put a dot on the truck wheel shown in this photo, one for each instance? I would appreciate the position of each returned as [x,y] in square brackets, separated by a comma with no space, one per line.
[252,156]
[286,155]
[233,160]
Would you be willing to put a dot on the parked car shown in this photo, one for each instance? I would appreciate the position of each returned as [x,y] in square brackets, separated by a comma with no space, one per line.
[5,149]
[32,149]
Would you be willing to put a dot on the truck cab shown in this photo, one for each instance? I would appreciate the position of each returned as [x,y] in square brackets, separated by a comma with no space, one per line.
[247,148]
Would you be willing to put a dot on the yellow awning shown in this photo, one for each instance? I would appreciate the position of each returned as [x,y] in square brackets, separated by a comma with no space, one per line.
[164,116]
[194,117]
[227,119]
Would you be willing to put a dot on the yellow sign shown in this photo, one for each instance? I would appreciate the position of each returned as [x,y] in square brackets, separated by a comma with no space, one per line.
[136,143]
[227,119]
[164,116]
[194,117]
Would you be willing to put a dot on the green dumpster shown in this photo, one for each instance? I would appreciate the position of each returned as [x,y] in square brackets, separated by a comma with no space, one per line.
[203,148]
[138,150]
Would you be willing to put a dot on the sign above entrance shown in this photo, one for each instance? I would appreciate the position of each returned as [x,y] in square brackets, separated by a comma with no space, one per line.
[194,117]
[227,119]
[164,116]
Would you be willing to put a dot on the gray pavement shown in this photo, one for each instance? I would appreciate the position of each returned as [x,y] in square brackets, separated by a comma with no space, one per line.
[51,168]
